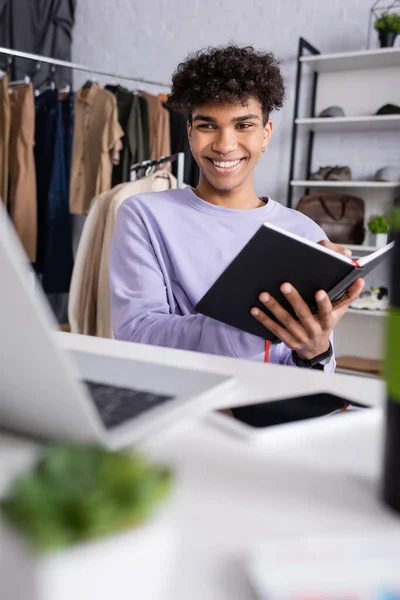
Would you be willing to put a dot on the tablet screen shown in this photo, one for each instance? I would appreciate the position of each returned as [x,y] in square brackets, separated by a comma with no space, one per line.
[295,408]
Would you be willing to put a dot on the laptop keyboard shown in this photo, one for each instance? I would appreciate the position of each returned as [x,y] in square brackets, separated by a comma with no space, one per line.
[118,404]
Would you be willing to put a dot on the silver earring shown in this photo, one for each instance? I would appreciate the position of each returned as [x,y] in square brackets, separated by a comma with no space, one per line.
[264,149]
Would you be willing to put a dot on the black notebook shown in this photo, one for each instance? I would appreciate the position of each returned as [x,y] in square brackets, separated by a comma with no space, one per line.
[270,258]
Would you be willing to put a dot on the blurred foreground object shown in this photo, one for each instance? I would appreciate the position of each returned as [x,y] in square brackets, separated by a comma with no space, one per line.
[78,526]
[391,469]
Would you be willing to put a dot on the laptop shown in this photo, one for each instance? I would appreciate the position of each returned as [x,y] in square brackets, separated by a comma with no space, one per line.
[42,393]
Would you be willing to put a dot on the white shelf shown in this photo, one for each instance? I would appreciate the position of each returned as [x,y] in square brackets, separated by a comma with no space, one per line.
[360,250]
[345,184]
[358,373]
[338,124]
[349,61]
[367,313]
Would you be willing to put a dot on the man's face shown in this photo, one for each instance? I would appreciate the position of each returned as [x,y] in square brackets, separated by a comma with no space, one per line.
[237,132]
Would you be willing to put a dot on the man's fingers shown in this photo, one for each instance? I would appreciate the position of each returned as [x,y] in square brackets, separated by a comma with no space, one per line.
[325,309]
[335,247]
[295,328]
[352,293]
[281,333]
[302,310]
[356,288]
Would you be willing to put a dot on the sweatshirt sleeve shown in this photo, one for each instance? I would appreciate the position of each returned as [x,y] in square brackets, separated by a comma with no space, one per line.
[139,300]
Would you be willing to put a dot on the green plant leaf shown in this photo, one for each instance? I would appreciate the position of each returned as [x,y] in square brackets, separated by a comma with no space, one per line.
[378,224]
[389,22]
[76,493]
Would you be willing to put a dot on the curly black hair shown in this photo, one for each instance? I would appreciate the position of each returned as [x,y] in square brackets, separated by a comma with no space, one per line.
[226,75]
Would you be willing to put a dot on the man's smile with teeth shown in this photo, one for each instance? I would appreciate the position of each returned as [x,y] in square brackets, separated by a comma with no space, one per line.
[226,164]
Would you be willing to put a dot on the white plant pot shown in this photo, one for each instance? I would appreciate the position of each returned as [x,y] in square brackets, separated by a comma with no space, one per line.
[136,564]
[378,239]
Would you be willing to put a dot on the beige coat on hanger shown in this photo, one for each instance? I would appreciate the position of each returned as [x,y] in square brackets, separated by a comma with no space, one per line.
[89,310]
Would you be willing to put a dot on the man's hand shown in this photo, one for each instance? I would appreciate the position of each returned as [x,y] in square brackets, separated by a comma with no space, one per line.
[309,335]
[335,247]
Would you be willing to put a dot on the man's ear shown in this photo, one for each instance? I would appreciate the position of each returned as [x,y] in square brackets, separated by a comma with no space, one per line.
[189,131]
[267,133]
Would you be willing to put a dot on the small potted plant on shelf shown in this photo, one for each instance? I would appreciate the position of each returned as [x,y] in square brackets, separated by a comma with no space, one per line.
[79,524]
[388,27]
[378,227]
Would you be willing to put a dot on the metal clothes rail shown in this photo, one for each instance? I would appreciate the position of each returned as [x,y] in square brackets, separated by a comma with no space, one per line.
[77,67]
[179,157]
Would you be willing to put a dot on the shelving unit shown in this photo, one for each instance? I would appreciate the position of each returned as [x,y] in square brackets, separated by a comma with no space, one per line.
[360,250]
[352,61]
[343,124]
[326,66]
[360,83]
[373,185]
[367,313]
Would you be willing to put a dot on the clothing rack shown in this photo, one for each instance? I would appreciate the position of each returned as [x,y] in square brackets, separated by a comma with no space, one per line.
[145,164]
[77,67]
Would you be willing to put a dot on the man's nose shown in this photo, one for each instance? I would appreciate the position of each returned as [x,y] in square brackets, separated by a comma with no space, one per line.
[225,143]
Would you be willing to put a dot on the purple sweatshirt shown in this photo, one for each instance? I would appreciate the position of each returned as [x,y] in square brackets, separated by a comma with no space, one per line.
[168,249]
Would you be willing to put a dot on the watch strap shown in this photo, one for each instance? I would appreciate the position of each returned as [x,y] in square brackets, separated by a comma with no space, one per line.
[313,363]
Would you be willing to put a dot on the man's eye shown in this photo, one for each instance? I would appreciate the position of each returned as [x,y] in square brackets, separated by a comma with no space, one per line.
[245,125]
[206,126]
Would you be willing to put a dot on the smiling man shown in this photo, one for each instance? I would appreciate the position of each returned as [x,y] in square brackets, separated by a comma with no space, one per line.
[169,247]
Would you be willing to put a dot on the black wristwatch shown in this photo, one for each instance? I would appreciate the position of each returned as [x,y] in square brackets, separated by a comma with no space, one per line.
[313,363]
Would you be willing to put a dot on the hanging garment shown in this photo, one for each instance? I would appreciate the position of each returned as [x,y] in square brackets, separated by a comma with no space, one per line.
[68,103]
[54,248]
[59,302]
[144,119]
[5,22]
[160,181]
[138,148]
[159,131]
[82,303]
[22,193]
[180,143]
[58,257]
[45,124]
[5,125]
[89,302]
[96,146]
[124,103]
[44,28]
[133,118]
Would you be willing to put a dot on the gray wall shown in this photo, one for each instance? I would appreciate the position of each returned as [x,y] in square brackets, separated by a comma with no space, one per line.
[150,38]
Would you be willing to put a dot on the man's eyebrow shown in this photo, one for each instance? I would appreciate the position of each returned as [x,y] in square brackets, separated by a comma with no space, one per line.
[204,118]
[234,120]
[245,118]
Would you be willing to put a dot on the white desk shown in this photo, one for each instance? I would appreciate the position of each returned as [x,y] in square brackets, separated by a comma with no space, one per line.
[258,380]
[319,476]
[314,479]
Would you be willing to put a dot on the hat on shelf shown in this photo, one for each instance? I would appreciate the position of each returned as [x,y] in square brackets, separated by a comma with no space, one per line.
[331,174]
[339,174]
[387,174]
[332,111]
[388,109]
[321,174]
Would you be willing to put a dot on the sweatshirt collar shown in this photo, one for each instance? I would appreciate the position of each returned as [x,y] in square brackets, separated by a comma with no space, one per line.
[229,213]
